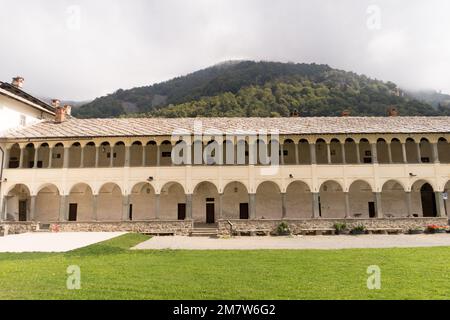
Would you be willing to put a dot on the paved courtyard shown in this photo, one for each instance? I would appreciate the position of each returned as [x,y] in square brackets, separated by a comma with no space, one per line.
[53,242]
[297,242]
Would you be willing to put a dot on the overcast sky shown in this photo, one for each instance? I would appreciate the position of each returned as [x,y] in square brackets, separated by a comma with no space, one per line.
[83,49]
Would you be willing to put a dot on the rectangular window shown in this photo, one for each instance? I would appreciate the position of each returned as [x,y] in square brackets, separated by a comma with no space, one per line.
[166,154]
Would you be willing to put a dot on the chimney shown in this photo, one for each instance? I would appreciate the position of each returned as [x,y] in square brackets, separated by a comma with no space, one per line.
[392,112]
[55,103]
[60,115]
[68,110]
[18,82]
[345,113]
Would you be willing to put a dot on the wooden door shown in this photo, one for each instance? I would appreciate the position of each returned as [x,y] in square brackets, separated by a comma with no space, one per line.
[73,209]
[181,211]
[243,211]
[210,213]
[22,210]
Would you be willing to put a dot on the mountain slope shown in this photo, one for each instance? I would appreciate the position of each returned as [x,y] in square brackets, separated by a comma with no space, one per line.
[265,89]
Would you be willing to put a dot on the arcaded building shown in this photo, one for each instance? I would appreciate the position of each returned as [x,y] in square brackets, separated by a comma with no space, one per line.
[152,174]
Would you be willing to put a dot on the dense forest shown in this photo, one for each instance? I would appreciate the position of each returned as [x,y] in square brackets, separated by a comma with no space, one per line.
[265,89]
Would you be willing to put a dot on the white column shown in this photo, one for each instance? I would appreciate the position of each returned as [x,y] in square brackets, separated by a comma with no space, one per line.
[347,204]
[435,151]
[143,155]
[374,152]
[22,150]
[127,156]
[316,205]
[378,205]
[158,156]
[35,160]
[32,208]
[419,156]
[82,156]
[328,153]
[440,206]
[63,208]
[97,154]
[125,208]
[111,158]
[66,158]
[344,160]
[312,151]
[283,205]
[358,153]
[389,151]
[50,156]
[296,153]
[405,158]
[252,205]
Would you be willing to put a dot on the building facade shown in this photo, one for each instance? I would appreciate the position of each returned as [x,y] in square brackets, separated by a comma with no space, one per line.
[124,174]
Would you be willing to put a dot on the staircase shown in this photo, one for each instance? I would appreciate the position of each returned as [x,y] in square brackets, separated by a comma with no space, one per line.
[42,227]
[204,230]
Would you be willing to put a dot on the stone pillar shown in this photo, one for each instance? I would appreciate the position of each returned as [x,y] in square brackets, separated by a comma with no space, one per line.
[158,155]
[3,209]
[189,206]
[111,158]
[63,208]
[312,151]
[281,153]
[419,153]
[347,204]
[81,156]
[125,208]
[97,154]
[405,158]
[316,205]
[296,153]
[374,152]
[32,209]
[252,205]
[35,160]
[127,156]
[358,153]
[94,206]
[283,205]
[22,151]
[440,206]
[66,158]
[389,152]
[220,205]
[6,161]
[408,203]
[344,160]
[157,206]
[328,153]
[50,157]
[435,152]
[378,205]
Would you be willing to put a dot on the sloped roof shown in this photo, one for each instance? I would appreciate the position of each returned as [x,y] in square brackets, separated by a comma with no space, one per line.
[126,127]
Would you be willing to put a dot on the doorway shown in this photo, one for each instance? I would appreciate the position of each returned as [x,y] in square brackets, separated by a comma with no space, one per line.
[181,211]
[371,209]
[73,209]
[243,211]
[210,213]
[22,210]
[428,201]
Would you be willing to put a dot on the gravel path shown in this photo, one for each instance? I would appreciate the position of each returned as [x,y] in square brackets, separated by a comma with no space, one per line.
[53,242]
[297,242]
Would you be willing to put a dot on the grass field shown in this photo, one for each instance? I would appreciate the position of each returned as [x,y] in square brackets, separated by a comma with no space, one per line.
[110,271]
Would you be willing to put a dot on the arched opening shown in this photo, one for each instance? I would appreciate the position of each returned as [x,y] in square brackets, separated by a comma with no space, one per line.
[242,152]
[298,200]
[396,151]
[109,203]
[289,152]
[211,154]
[423,199]
[332,200]
[14,156]
[43,155]
[47,204]
[151,154]
[365,151]
[228,152]
[235,201]
[444,150]
[165,153]
[361,200]
[426,154]
[382,151]
[321,152]
[28,156]
[351,156]
[89,155]
[172,202]
[57,156]
[268,201]
[18,201]
[80,203]
[393,200]
[197,153]
[336,151]
[105,154]
[304,152]
[136,154]
[119,155]
[142,202]
[411,151]
[205,203]
[75,155]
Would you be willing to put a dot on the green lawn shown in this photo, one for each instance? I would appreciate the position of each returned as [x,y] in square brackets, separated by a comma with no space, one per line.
[109,270]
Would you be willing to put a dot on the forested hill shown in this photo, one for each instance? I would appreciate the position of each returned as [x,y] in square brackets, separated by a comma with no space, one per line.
[265,89]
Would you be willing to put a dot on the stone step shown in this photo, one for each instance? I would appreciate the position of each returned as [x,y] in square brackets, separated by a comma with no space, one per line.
[204,232]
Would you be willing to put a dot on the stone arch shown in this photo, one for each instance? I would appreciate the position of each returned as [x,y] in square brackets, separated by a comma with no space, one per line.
[393,199]
[136,154]
[332,200]
[18,202]
[423,199]
[142,202]
[351,156]
[172,201]
[14,156]
[304,152]
[205,194]
[299,202]
[443,147]
[268,200]
[235,201]
[118,154]
[361,200]
[81,196]
[110,202]
[47,203]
